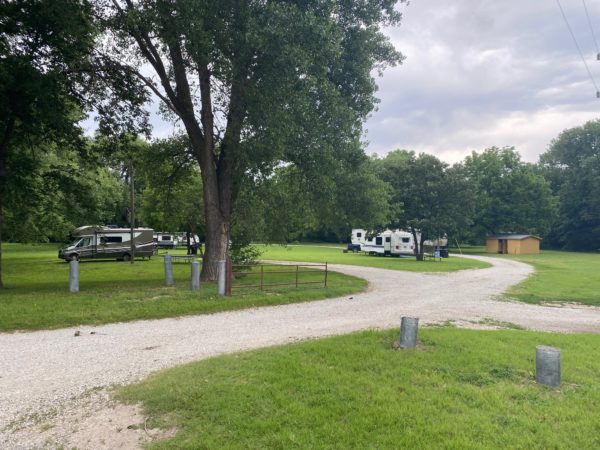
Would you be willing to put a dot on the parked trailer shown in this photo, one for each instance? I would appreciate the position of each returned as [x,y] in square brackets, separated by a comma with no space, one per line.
[101,242]
[393,243]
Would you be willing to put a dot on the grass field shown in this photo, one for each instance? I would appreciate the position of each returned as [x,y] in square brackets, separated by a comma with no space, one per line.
[334,255]
[37,291]
[460,389]
[559,277]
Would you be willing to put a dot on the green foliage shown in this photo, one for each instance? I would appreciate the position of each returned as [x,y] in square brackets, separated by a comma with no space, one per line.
[460,389]
[572,164]
[511,196]
[37,291]
[428,196]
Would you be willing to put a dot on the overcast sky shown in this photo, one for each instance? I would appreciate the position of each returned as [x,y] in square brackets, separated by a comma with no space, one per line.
[482,73]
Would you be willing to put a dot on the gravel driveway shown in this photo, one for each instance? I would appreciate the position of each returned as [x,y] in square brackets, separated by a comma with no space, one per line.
[51,373]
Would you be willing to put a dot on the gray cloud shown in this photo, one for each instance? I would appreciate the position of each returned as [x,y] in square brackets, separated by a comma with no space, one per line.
[484,73]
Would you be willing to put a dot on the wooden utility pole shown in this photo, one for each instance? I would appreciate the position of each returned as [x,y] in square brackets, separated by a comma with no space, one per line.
[132,209]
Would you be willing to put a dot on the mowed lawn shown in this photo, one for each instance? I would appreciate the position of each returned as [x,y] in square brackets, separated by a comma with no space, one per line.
[334,255]
[460,389]
[559,276]
[37,291]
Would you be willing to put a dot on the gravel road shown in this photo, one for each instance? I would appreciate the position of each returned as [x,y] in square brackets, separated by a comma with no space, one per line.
[45,374]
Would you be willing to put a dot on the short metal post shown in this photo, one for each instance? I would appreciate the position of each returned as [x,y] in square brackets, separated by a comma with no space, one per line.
[195,284]
[297,268]
[74,276]
[326,274]
[168,270]
[221,277]
[408,332]
[547,365]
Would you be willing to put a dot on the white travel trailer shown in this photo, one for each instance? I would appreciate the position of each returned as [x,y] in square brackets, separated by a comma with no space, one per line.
[166,240]
[394,243]
[100,242]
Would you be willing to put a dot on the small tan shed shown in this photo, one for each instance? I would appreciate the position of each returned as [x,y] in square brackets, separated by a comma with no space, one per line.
[513,244]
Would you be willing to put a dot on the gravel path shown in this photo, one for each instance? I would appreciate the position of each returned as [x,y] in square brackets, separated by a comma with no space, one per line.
[44,370]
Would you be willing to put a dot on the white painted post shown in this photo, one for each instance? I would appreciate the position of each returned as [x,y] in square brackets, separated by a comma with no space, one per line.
[408,332]
[169,270]
[221,276]
[547,365]
[195,284]
[73,275]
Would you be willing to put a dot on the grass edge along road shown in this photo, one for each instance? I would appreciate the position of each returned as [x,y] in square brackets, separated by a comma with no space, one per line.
[459,389]
[559,277]
[334,255]
[37,291]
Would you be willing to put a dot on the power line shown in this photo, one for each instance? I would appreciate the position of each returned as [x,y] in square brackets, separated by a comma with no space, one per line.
[591,29]
[578,49]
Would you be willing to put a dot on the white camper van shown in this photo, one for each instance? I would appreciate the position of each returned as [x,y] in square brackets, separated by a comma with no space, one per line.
[166,240]
[100,242]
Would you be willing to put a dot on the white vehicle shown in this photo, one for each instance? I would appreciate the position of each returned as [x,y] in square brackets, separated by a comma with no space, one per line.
[394,243]
[166,240]
[100,242]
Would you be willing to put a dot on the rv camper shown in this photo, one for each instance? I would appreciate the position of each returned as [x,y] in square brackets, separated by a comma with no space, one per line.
[166,240]
[394,243]
[100,242]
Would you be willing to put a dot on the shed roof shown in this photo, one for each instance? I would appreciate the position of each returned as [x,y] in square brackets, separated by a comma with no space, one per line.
[516,237]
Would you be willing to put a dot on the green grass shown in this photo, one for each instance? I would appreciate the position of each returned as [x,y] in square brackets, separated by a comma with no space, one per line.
[37,291]
[562,277]
[333,254]
[461,389]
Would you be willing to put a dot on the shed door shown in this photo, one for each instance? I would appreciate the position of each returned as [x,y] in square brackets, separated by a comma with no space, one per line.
[502,246]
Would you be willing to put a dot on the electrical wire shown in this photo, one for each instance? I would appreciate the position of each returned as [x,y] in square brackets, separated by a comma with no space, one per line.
[591,28]
[577,45]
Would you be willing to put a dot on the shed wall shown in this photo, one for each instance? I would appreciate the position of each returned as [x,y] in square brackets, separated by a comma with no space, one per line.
[530,245]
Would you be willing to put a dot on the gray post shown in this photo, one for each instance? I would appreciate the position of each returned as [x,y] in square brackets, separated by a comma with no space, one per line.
[408,332]
[73,276]
[195,275]
[547,365]
[169,270]
[221,277]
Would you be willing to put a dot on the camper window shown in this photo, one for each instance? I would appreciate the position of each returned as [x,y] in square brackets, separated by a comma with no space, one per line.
[388,239]
[378,240]
[358,235]
[166,238]
[406,240]
[113,239]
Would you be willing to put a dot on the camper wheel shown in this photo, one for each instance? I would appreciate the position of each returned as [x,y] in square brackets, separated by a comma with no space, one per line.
[126,257]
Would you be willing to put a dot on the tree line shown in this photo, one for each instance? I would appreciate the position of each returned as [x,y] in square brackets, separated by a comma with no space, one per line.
[270,98]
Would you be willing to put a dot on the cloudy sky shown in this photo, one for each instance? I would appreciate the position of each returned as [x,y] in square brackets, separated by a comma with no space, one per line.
[482,73]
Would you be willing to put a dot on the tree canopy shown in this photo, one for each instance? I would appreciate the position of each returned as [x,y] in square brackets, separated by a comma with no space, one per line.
[253,83]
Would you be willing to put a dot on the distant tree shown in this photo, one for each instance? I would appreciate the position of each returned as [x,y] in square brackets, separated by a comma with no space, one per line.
[431,198]
[254,84]
[511,195]
[572,165]
[41,41]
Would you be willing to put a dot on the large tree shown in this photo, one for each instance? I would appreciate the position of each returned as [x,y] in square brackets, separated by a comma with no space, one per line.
[40,43]
[431,198]
[511,195]
[572,164]
[254,83]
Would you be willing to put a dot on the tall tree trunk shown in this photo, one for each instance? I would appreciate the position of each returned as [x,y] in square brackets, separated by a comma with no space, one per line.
[10,124]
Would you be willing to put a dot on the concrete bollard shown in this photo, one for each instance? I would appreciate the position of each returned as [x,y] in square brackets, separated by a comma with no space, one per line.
[74,276]
[169,270]
[547,365]
[408,332]
[221,276]
[195,285]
